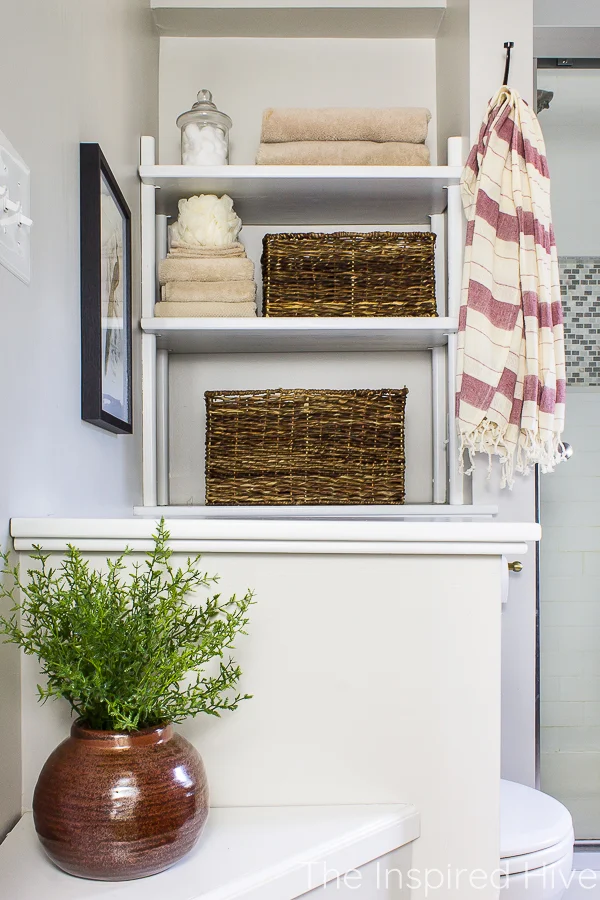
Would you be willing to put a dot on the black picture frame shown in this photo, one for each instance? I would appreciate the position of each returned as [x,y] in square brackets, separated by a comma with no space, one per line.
[106,296]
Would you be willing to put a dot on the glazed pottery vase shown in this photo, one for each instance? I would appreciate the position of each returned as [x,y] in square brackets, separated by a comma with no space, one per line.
[114,806]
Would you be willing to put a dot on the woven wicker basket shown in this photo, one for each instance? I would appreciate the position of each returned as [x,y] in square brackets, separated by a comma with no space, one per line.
[305,447]
[382,273]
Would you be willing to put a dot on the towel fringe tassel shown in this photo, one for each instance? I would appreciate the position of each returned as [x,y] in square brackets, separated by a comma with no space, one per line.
[530,450]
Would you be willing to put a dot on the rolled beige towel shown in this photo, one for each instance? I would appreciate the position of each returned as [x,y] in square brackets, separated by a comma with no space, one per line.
[179,249]
[213,291]
[208,269]
[408,125]
[197,309]
[342,153]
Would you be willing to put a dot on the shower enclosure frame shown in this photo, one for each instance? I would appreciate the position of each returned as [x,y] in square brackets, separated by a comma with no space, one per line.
[591,844]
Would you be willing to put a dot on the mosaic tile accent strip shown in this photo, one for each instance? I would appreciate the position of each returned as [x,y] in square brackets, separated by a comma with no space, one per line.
[580,290]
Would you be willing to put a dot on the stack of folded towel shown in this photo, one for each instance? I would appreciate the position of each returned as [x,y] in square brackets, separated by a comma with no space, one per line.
[344,137]
[206,272]
[206,282]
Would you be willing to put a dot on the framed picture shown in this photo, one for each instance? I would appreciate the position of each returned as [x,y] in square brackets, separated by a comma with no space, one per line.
[106,320]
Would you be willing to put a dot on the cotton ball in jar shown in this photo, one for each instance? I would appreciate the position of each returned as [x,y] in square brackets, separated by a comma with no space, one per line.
[204,146]
[192,134]
[210,135]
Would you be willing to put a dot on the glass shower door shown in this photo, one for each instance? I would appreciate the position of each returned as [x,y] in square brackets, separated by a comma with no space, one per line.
[570,498]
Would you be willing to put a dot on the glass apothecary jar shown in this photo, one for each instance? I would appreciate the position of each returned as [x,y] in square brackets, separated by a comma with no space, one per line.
[204,133]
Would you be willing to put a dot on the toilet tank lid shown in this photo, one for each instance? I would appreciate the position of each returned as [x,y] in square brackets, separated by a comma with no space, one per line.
[530,820]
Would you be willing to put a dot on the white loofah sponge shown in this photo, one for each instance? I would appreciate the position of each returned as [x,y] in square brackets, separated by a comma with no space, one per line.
[207,220]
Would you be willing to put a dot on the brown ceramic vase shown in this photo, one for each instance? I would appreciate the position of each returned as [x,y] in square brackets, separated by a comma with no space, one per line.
[114,806]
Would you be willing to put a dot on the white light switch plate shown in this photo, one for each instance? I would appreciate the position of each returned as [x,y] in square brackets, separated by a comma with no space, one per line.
[15,242]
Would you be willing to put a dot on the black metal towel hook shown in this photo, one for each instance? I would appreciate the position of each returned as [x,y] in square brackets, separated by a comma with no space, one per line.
[508,45]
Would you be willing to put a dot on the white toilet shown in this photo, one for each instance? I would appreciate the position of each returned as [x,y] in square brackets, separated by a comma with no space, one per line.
[536,844]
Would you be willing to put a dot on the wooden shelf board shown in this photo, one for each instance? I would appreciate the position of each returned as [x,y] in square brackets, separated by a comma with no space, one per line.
[312,195]
[299,18]
[297,335]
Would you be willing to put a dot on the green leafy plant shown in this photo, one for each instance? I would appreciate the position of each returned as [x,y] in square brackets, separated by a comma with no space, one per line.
[127,652]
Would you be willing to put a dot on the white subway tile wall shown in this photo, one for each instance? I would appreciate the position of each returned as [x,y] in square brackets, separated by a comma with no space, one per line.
[570,616]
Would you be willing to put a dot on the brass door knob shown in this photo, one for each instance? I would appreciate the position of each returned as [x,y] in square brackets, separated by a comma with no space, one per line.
[515,566]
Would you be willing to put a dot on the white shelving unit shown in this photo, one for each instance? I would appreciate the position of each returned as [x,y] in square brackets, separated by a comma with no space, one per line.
[305,196]
[293,335]
[412,512]
[312,195]
[299,18]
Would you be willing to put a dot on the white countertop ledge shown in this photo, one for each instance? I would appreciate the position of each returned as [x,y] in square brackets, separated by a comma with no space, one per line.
[282,536]
[260,853]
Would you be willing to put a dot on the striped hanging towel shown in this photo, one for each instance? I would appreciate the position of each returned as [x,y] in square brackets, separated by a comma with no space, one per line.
[510,398]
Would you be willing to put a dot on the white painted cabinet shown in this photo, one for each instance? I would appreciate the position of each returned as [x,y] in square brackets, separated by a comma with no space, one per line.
[373,657]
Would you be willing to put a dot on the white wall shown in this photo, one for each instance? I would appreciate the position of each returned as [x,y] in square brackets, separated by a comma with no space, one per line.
[71,71]
[452,72]
[471,58]
[490,25]
[571,129]
[248,75]
[570,620]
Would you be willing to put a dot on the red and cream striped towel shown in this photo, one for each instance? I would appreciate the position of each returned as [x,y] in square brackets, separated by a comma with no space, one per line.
[511,362]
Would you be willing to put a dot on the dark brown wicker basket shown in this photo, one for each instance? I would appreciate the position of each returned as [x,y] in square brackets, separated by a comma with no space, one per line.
[383,273]
[305,447]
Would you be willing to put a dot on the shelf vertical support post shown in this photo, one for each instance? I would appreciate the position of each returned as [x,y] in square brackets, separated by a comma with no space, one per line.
[162,384]
[438,370]
[438,227]
[148,291]
[162,427]
[439,423]
[455,259]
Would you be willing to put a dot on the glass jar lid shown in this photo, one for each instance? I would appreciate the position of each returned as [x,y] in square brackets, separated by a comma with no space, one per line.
[204,109]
